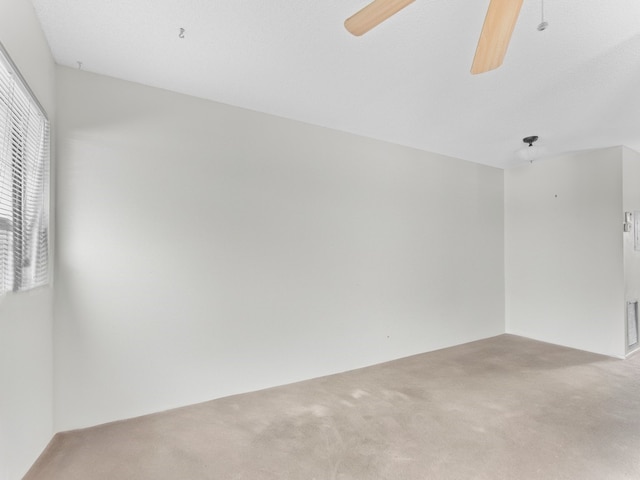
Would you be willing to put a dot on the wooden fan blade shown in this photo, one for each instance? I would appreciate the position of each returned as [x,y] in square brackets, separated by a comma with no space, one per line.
[374,14]
[499,23]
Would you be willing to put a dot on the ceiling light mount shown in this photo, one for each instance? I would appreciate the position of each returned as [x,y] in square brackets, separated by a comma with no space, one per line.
[530,140]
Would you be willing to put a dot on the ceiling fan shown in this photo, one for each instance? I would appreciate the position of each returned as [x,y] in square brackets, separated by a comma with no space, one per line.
[494,39]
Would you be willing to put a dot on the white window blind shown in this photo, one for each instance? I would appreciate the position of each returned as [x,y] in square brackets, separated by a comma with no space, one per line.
[24,183]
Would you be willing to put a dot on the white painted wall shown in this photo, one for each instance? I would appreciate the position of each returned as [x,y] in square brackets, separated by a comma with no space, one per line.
[206,250]
[631,203]
[26,375]
[564,251]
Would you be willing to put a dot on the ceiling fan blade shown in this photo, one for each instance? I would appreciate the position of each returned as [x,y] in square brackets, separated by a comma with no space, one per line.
[499,23]
[374,14]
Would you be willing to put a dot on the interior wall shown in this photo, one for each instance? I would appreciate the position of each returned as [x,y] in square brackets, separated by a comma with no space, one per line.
[26,375]
[563,251]
[207,250]
[631,203]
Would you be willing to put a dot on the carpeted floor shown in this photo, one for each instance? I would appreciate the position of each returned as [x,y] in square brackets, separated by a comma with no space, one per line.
[502,408]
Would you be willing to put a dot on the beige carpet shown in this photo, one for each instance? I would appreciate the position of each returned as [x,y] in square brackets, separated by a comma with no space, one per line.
[502,408]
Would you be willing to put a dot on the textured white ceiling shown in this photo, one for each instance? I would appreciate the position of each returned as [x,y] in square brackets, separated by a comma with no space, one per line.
[576,84]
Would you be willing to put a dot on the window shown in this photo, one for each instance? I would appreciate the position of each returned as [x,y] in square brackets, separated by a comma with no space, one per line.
[24,183]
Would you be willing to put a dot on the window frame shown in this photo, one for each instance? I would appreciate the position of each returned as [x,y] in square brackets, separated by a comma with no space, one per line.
[15,265]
